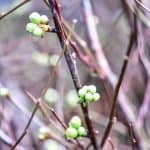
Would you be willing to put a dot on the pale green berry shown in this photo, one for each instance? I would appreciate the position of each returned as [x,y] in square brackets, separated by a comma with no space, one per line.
[72,98]
[43,133]
[82,131]
[82,92]
[51,145]
[71,133]
[92,88]
[75,122]
[53,60]
[81,99]
[30,27]
[38,32]
[51,96]
[4,92]
[88,97]
[44,19]
[35,18]
[85,87]
[96,96]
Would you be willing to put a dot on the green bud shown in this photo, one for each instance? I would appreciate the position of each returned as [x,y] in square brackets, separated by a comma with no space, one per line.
[35,18]
[4,92]
[85,87]
[75,122]
[71,133]
[82,131]
[72,98]
[38,32]
[51,145]
[44,19]
[43,133]
[51,96]
[92,88]
[30,27]
[82,92]
[53,60]
[96,96]
[88,97]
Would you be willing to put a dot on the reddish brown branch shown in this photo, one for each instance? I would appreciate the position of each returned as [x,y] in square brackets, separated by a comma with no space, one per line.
[112,116]
[133,140]
[54,7]
[26,127]
[142,5]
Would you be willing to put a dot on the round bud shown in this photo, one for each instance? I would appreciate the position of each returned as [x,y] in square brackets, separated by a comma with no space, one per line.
[92,88]
[43,133]
[82,131]
[71,133]
[4,92]
[38,32]
[51,96]
[96,96]
[54,60]
[30,27]
[35,17]
[75,122]
[88,97]
[72,98]
[85,87]
[44,19]
[82,92]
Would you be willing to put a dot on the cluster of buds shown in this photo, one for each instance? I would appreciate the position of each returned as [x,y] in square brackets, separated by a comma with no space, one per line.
[38,25]
[75,129]
[88,94]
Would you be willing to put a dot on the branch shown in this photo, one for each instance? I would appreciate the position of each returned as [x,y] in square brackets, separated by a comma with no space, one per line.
[13,9]
[5,138]
[26,127]
[62,36]
[144,109]
[131,134]
[142,5]
[112,117]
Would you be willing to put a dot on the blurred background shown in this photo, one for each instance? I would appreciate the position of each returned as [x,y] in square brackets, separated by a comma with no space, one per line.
[26,62]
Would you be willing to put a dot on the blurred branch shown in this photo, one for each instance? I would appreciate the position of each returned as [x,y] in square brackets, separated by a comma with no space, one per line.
[13,9]
[131,134]
[140,49]
[142,5]
[144,109]
[5,138]
[111,143]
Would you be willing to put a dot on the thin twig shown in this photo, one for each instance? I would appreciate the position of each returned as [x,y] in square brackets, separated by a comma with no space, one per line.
[55,115]
[111,143]
[26,127]
[42,108]
[112,117]
[13,9]
[133,140]
[144,109]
